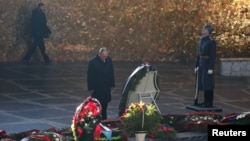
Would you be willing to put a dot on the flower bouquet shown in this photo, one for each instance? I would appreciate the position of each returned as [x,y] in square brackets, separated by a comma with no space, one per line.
[140,117]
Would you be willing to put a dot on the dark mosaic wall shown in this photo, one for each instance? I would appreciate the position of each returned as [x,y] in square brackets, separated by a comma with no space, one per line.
[133,30]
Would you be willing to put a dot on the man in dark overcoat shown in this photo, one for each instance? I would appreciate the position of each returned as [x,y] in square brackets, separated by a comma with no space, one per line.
[39,31]
[205,65]
[100,78]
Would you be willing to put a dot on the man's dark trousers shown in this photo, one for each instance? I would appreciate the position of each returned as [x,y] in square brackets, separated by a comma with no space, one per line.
[40,43]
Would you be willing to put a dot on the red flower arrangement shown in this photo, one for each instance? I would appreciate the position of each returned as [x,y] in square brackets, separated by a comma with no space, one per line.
[162,132]
[34,135]
[86,119]
[44,136]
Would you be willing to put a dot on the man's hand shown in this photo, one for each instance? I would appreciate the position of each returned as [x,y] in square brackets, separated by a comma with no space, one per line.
[196,69]
[210,71]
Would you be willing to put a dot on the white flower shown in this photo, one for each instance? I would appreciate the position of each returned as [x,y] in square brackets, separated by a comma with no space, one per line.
[242,115]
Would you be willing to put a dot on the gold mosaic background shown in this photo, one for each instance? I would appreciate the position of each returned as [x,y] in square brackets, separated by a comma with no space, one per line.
[133,30]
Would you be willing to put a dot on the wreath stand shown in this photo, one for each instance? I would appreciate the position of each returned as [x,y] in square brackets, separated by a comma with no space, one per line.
[148,91]
[141,85]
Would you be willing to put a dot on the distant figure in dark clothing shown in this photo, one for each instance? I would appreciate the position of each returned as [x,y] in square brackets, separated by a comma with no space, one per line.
[205,65]
[39,31]
[100,78]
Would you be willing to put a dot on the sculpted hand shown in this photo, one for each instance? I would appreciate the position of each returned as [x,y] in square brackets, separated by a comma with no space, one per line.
[210,71]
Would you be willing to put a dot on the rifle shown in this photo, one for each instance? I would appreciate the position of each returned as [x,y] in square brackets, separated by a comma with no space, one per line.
[196,89]
[196,78]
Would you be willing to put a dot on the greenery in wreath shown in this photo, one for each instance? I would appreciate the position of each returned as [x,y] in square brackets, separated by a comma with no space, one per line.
[140,117]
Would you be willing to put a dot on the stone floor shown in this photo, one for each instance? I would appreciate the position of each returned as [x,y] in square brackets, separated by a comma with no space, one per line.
[43,96]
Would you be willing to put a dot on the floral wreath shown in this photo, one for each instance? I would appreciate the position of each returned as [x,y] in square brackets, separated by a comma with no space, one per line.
[44,136]
[86,118]
[237,118]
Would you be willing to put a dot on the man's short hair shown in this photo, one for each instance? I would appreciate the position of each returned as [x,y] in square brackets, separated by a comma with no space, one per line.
[102,49]
[40,4]
[209,27]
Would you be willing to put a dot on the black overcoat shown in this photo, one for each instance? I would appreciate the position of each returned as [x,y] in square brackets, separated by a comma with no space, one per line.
[205,61]
[100,78]
[39,28]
